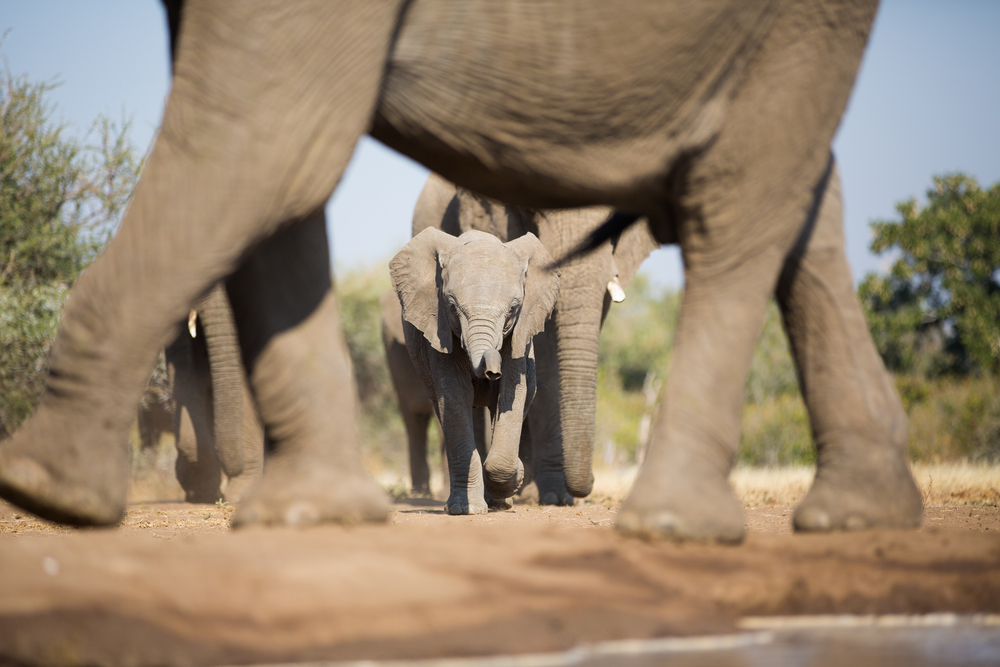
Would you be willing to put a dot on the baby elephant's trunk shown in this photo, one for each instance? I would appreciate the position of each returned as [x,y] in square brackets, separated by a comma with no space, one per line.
[491,362]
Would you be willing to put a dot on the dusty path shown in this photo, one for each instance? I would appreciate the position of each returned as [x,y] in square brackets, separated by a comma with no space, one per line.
[174,586]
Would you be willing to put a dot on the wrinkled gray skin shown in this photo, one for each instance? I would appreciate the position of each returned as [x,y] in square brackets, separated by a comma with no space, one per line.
[219,439]
[713,120]
[562,415]
[471,306]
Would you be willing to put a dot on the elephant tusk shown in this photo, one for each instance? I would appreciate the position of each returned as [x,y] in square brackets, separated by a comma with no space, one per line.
[192,318]
[615,290]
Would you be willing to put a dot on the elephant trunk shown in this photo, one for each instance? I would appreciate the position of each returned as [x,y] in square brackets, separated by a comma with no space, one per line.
[577,348]
[227,379]
[483,347]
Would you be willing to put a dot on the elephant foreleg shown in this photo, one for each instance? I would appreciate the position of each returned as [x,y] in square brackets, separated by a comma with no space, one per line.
[453,398]
[862,476]
[297,363]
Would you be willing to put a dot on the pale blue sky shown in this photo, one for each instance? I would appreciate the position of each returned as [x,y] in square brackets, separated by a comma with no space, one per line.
[927,101]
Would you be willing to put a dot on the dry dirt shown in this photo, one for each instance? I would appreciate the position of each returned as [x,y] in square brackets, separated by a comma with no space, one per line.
[172,585]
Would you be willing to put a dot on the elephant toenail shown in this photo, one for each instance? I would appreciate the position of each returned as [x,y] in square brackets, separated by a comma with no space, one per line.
[301,513]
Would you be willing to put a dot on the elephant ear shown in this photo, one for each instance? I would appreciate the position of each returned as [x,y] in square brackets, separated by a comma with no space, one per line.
[541,287]
[416,277]
[632,248]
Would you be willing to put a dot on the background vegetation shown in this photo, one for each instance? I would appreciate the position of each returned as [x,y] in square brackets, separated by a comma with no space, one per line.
[60,200]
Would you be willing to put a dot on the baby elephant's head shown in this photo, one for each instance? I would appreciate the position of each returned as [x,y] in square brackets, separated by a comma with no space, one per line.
[476,290]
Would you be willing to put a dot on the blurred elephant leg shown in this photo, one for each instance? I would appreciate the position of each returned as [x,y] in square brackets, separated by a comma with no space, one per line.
[197,466]
[242,486]
[416,434]
[862,476]
[545,424]
[298,366]
[682,490]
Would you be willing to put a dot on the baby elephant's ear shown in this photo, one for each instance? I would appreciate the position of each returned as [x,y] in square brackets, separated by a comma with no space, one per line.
[541,287]
[416,277]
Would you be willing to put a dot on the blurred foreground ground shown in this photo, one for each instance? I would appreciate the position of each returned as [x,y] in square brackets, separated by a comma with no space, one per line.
[172,584]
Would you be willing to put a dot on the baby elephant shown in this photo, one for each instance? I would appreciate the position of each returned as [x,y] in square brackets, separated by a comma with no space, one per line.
[488,298]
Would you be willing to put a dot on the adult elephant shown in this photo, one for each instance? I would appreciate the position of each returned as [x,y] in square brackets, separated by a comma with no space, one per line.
[561,418]
[206,405]
[713,120]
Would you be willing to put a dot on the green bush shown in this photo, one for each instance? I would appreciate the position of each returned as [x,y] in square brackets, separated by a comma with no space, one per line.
[775,432]
[938,310]
[954,419]
[60,200]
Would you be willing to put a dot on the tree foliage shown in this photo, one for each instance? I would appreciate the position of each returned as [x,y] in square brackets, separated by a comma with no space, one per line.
[938,310]
[60,200]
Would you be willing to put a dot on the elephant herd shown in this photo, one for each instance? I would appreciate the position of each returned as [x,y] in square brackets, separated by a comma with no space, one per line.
[606,128]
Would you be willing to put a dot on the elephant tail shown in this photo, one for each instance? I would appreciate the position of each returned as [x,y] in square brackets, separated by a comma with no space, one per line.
[612,228]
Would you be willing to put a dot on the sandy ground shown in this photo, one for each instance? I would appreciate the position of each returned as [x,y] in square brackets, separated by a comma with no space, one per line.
[173,585]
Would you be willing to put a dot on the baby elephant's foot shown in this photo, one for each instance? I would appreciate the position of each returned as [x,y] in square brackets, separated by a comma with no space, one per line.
[498,503]
[685,505]
[297,491]
[863,491]
[552,491]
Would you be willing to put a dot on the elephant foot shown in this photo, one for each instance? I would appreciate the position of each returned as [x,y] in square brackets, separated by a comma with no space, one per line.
[858,489]
[464,500]
[498,503]
[421,491]
[57,477]
[201,481]
[297,491]
[552,491]
[685,504]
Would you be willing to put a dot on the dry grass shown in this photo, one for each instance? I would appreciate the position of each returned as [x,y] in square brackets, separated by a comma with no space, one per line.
[958,483]
[765,487]
[941,484]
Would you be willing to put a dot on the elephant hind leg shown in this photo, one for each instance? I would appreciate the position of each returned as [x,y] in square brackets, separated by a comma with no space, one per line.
[297,363]
[733,256]
[862,477]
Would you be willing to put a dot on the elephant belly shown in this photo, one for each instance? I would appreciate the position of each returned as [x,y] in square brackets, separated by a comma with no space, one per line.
[563,103]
